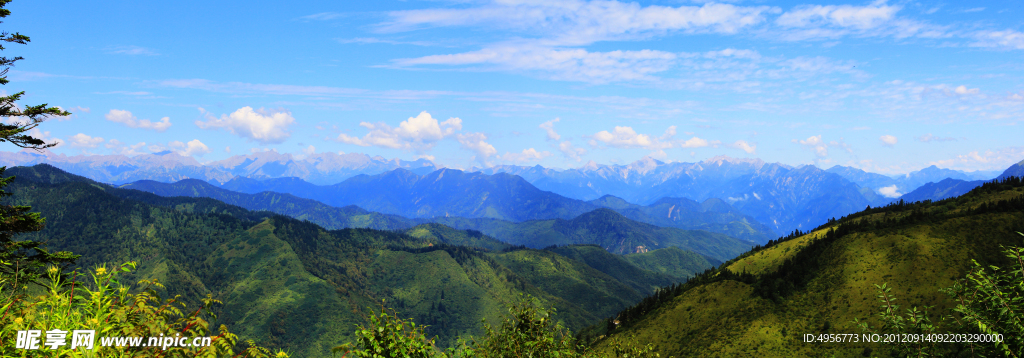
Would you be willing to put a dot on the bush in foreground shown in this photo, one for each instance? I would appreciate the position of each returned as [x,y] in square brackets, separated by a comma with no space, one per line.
[104,305]
[525,332]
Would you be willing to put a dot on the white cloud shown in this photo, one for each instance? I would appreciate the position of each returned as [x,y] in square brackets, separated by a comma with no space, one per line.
[418,133]
[126,118]
[45,137]
[697,143]
[1007,39]
[74,111]
[888,140]
[930,138]
[577,22]
[566,64]
[549,126]
[477,142]
[131,50]
[570,151]
[962,90]
[117,147]
[626,137]
[744,146]
[227,149]
[889,191]
[263,126]
[310,150]
[82,140]
[193,147]
[859,17]
[998,159]
[527,155]
[815,143]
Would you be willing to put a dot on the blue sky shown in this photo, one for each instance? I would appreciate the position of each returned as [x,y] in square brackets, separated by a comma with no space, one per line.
[888,87]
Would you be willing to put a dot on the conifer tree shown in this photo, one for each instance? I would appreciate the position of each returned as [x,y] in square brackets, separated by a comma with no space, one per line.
[21,261]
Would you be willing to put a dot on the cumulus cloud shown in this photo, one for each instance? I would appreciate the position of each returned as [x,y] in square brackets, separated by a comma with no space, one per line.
[626,137]
[193,147]
[477,142]
[526,156]
[890,191]
[744,146]
[695,142]
[81,140]
[963,90]
[997,159]
[263,126]
[888,140]
[117,147]
[549,127]
[815,143]
[418,133]
[45,137]
[126,118]
[927,138]
[570,151]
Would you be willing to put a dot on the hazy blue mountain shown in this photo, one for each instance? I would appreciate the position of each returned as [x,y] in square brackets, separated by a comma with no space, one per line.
[168,166]
[946,188]
[955,187]
[865,179]
[1016,170]
[163,166]
[331,218]
[320,168]
[783,197]
[450,192]
[933,174]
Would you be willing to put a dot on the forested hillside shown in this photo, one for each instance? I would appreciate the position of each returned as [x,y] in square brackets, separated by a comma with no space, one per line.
[292,284]
[763,302]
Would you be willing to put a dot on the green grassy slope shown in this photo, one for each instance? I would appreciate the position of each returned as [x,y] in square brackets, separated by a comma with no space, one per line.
[820,281]
[451,236]
[617,266]
[672,261]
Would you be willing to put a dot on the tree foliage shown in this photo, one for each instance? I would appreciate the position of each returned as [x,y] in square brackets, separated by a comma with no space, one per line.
[989,301]
[99,301]
[21,262]
[525,332]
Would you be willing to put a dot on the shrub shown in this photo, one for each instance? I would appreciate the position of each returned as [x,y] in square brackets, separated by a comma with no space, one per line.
[525,332]
[111,309]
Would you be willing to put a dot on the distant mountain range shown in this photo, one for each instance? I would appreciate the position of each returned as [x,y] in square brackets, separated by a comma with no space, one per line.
[948,188]
[319,168]
[783,197]
[600,226]
[779,197]
[910,181]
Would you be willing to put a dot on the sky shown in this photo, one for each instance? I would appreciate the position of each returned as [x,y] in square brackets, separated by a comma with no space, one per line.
[887,87]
